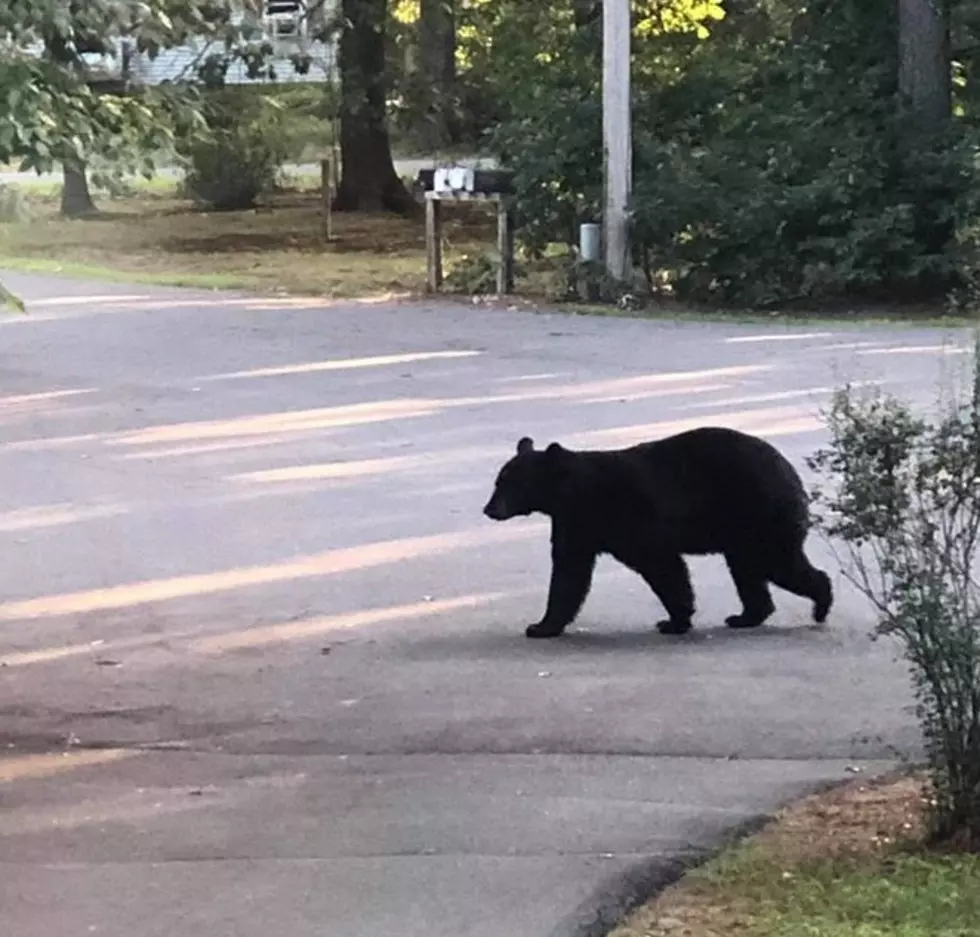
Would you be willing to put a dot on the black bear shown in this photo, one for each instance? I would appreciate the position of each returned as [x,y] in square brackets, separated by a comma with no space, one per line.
[707,490]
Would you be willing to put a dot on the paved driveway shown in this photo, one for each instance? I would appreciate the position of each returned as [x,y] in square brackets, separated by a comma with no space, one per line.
[264,670]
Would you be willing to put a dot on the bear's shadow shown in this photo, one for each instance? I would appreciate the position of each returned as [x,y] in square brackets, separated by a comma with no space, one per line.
[498,643]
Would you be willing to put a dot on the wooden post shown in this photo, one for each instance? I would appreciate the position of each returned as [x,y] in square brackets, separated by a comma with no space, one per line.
[505,247]
[433,243]
[326,197]
[617,144]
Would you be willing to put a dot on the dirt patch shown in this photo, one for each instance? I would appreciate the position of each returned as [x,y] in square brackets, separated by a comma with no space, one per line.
[855,819]
[278,246]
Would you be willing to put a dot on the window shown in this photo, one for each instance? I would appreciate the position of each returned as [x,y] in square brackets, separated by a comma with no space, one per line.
[285,19]
[283,7]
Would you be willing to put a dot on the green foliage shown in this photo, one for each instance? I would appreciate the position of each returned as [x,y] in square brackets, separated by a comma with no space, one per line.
[66,98]
[903,496]
[556,187]
[474,275]
[308,115]
[771,163]
[570,279]
[59,103]
[15,207]
[828,211]
[238,156]
[963,302]
[8,299]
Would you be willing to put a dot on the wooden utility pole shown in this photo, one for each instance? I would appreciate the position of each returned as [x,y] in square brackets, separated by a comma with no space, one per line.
[616,134]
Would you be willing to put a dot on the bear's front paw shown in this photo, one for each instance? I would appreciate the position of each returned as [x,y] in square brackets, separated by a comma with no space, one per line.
[674,626]
[742,621]
[543,630]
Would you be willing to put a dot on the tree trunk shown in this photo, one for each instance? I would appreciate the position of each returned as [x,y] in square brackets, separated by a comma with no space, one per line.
[925,89]
[588,27]
[437,71]
[368,178]
[76,200]
[923,62]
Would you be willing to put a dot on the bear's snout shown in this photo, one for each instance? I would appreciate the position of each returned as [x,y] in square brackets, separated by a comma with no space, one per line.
[494,509]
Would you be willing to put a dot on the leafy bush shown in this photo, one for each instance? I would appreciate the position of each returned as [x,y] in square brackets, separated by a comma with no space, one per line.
[806,206]
[238,156]
[568,278]
[307,120]
[555,151]
[473,275]
[14,205]
[903,496]
[10,299]
[787,211]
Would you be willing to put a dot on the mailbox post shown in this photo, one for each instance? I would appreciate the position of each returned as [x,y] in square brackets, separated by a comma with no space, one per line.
[465,184]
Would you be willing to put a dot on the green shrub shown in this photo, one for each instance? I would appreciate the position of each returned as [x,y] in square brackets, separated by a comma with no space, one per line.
[903,496]
[238,156]
[474,275]
[15,206]
[11,300]
[555,151]
[308,114]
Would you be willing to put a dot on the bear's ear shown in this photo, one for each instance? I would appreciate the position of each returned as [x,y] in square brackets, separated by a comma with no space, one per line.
[525,444]
[560,466]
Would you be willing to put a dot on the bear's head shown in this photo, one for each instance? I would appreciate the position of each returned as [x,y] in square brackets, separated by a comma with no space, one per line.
[530,481]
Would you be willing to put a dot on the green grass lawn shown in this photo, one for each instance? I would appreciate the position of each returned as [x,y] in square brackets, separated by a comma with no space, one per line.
[845,864]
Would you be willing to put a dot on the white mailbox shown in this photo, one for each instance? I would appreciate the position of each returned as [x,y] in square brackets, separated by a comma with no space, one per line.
[454,179]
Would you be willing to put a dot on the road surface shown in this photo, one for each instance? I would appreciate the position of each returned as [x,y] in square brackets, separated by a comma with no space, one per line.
[263,658]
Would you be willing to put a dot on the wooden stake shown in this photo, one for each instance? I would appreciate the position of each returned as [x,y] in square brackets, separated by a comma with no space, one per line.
[505,248]
[326,197]
[433,243]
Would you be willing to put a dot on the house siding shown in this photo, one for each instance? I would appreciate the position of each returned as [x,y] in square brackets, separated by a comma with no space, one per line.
[177,64]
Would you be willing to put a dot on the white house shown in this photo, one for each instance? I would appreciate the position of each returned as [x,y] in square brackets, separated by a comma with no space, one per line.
[287,24]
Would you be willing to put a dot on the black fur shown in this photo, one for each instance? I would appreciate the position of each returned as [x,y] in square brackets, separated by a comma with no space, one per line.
[709,490]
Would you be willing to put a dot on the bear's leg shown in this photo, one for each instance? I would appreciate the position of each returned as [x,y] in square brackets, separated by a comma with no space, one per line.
[750,581]
[670,581]
[571,579]
[799,576]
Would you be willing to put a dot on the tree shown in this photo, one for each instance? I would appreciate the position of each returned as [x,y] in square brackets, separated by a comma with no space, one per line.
[925,89]
[774,158]
[55,114]
[924,61]
[76,199]
[368,178]
[437,72]
[65,42]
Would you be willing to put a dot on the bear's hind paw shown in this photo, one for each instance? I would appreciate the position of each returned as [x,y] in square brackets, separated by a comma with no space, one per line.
[674,626]
[823,600]
[541,630]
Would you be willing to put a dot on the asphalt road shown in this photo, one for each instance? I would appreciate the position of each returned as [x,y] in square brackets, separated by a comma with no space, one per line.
[263,662]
